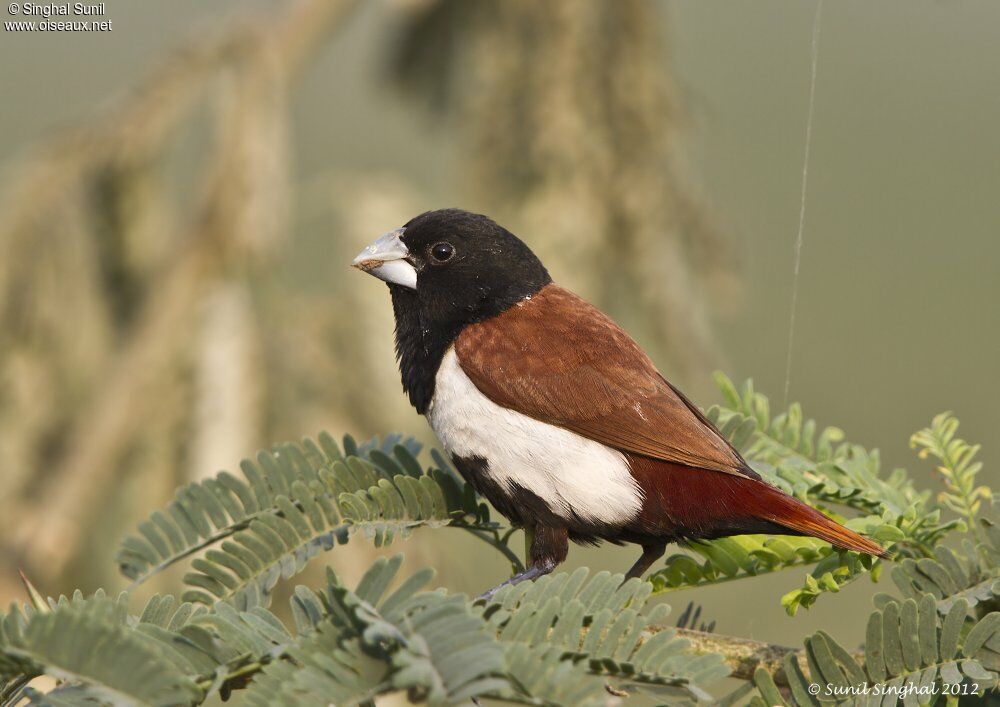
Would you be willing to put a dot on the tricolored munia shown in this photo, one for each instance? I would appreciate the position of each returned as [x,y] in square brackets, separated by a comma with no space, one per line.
[553,413]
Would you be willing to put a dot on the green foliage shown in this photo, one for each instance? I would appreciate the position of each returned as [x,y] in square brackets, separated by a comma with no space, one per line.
[292,503]
[603,625]
[554,641]
[86,641]
[943,631]
[908,645]
[738,557]
[958,467]
[429,644]
[564,639]
[950,575]
[814,464]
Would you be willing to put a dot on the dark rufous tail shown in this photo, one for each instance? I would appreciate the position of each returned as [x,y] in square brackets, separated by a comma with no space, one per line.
[683,502]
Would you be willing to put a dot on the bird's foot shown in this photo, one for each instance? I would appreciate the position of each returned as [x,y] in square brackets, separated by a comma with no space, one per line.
[533,572]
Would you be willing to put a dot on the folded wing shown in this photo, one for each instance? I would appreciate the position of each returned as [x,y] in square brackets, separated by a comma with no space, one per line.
[560,360]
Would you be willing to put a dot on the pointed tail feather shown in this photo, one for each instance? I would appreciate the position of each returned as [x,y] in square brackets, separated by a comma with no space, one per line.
[791,513]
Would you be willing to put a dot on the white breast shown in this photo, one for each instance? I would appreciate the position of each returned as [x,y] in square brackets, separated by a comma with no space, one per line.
[576,476]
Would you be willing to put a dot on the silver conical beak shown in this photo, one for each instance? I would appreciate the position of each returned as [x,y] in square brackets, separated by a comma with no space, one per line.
[386,259]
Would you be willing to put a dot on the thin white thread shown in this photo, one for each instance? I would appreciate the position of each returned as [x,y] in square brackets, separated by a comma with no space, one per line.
[802,202]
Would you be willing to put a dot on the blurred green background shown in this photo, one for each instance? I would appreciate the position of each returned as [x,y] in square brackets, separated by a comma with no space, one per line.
[182,197]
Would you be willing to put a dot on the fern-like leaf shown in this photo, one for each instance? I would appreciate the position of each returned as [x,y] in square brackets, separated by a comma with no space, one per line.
[602,624]
[87,642]
[737,557]
[950,575]
[816,464]
[957,466]
[910,647]
[292,503]
[819,467]
[431,645]
[544,673]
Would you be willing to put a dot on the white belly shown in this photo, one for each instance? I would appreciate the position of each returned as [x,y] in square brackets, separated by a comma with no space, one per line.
[578,477]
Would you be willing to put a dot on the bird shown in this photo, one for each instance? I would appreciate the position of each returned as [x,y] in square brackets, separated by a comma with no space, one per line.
[554,414]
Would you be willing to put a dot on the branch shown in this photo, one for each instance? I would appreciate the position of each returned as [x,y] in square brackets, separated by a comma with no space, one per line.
[743,655]
[498,544]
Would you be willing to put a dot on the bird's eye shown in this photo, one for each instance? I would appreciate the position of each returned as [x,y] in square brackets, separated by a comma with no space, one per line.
[442,252]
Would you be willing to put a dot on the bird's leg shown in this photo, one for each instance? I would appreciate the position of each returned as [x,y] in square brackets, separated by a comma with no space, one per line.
[546,548]
[650,554]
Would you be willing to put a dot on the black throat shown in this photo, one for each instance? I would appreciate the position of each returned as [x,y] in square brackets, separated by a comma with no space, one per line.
[423,336]
[420,345]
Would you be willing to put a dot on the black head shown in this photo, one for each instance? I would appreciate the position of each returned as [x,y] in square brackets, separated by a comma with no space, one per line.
[469,267]
[447,269]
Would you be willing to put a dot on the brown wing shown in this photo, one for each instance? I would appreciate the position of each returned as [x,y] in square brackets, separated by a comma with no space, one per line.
[560,360]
